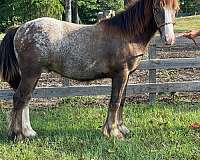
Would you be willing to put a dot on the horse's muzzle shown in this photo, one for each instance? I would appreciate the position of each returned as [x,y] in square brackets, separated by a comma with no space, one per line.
[169,39]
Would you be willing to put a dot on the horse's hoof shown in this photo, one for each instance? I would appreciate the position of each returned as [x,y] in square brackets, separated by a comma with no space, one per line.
[29,133]
[112,131]
[115,132]
[105,130]
[16,136]
[124,129]
[19,136]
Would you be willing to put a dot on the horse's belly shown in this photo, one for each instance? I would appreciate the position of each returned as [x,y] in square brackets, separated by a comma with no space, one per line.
[84,76]
[84,72]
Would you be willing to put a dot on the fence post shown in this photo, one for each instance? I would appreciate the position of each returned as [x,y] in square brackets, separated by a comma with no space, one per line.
[152,72]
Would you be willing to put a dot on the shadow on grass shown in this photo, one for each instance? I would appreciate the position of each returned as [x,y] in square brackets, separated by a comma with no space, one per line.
[79,133]
[53,134]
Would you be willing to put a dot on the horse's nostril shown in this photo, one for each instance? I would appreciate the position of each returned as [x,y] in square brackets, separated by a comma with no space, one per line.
[169,39]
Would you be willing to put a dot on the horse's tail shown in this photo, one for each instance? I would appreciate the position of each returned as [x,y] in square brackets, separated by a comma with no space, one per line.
[9,67]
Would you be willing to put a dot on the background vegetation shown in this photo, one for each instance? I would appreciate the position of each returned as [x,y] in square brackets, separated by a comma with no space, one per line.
[187,23]
[19,11]
[189,7]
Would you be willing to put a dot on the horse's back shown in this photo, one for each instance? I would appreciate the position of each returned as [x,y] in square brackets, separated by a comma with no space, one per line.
[44,29]
[48,35]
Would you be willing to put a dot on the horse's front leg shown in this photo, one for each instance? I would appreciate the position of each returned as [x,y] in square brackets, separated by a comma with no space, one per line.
[121,125]
[111,126]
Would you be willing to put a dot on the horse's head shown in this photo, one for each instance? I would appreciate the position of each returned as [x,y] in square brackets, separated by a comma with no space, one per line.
[164,14]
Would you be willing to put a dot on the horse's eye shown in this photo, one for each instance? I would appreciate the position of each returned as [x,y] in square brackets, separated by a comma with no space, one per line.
[156,9]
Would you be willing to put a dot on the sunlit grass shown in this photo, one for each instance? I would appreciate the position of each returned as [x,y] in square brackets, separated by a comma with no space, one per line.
[71,131]
[187,23]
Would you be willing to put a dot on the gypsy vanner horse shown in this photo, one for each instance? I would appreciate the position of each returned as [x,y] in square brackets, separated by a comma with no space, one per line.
[110,49]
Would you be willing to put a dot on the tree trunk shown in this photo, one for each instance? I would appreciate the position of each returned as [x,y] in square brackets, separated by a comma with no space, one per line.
[68,10]
[75,17]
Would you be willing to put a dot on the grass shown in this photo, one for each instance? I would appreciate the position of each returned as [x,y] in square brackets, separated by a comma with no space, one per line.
[72,132]
[187,23]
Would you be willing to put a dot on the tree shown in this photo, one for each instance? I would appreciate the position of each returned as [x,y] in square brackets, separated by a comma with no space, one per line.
[68,10]
[75,15]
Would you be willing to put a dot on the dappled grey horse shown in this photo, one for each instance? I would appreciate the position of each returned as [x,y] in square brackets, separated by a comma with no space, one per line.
[110,49]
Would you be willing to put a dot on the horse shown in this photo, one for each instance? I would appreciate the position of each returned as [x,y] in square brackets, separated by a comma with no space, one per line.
[111,49]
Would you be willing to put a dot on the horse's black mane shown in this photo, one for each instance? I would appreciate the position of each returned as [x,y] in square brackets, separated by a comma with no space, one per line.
[134,19]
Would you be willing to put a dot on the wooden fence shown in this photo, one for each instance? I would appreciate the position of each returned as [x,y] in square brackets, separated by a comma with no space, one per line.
[152,87]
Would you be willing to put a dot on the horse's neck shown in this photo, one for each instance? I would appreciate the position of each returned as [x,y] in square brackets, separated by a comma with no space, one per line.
[136,24]
[149,31]
[140,25]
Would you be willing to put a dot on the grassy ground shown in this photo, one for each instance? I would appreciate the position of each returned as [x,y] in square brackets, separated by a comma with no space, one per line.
[71,131]
[187,23]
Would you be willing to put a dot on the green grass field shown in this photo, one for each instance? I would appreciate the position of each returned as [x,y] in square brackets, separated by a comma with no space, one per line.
[72,132]
[187,23]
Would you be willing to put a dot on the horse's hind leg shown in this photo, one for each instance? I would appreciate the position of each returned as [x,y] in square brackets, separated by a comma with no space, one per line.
[111,126]
[19,124]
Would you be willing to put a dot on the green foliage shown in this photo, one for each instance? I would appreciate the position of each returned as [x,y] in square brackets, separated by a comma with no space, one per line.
[19,11]
[88,9]
[1,36]
[190,7]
